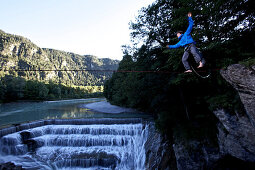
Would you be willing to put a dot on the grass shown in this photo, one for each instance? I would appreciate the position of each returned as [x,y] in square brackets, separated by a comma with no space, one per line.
[248,62]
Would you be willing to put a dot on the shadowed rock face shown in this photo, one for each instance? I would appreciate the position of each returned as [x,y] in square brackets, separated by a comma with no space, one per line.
[243,80]
[158,151]
[237,132]
[236,136]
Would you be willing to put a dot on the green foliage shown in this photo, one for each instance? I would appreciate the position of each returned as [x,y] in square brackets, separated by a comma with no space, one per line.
[248,62]
[2,91]
[13,87]
[16,88]
[184,102]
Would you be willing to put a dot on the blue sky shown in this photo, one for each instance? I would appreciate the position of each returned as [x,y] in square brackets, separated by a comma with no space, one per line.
[95,27]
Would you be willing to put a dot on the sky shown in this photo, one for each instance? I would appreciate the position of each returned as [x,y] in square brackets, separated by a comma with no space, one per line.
[85,27]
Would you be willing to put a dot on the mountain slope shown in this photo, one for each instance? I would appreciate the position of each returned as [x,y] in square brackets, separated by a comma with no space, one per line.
[19,53]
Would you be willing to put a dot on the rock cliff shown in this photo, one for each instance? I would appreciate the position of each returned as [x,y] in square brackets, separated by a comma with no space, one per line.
[159,154]
[236,131]
[243,80]
[236,136]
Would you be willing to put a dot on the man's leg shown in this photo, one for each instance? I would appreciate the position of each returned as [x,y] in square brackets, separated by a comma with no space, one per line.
[197,55]
[185,60]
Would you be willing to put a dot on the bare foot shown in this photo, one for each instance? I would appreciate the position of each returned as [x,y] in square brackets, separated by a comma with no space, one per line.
[200,65]
[188,71]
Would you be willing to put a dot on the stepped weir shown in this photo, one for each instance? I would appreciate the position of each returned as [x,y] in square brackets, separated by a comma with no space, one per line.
[76,144]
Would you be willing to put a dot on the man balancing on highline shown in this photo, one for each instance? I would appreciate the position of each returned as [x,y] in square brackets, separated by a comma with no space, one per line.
[186,41]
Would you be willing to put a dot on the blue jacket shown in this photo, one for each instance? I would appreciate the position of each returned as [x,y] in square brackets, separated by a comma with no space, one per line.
[185,38]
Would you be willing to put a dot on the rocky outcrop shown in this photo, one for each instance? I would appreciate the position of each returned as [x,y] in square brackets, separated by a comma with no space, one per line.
[243,80]
[195,155]
[158,151]
[185,159]
[236,135]
[236,132]
[10,166]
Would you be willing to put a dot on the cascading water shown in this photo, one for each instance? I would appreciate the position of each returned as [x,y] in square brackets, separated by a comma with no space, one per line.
[91,146]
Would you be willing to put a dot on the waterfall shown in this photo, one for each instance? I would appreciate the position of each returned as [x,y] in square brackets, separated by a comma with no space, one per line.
[94,146]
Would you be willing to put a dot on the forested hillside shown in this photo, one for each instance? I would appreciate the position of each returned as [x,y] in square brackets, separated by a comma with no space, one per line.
[183,103]
[19,53]
[33,73]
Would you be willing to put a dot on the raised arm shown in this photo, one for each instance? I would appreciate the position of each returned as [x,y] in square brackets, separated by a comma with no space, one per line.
[191,23]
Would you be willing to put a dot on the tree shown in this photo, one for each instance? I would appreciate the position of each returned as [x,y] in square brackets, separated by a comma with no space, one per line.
[43,91]
[215,20]
[222,28]
[14,87]
[57,92]
[2,91]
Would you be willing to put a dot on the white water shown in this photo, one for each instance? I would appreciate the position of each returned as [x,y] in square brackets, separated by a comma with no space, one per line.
[114,146]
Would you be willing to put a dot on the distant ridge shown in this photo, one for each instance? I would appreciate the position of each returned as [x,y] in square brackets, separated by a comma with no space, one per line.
[19,53]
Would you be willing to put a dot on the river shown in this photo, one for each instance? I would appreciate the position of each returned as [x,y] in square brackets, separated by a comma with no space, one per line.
[20,112]
[73,134]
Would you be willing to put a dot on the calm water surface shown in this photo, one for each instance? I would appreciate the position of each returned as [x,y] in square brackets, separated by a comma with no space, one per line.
[14,113]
